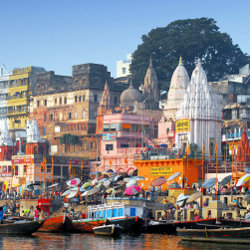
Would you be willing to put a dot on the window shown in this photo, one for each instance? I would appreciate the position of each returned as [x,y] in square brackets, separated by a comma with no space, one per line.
[83,98]
[57,170]
[83,114]
[115,100]
[124,145]
[51,117]
[109,147]
[60,100]
[69,115]
[65,100]
[44,131]
[65,171]
[45,102]
[25,168]
[37,103]
[75,99]
[95,98]
[80,98]
[123,70]
[44,118]
[75,115]
[55,100]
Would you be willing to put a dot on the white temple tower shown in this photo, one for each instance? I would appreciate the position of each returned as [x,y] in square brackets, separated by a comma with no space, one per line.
[177,90]
[198,119]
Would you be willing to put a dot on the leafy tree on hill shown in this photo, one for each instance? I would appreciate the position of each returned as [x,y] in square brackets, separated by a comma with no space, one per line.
[189,38]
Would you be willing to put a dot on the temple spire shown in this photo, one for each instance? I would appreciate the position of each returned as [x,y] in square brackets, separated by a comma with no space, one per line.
[105,100]
[180,61]
[150,62]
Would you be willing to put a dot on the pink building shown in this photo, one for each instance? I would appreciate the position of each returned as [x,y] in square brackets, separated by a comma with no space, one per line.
[123,138]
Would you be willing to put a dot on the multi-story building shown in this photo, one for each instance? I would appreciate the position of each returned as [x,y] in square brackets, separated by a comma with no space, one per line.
[236,117]
[68,105]
[20,88]
[124,136]
[4,79]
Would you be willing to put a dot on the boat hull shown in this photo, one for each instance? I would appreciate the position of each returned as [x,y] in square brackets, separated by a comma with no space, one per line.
[234,223]
[170,227]
[108,230]
[131,225]
[55,225]
[228,235]
[86,226]
[21,228]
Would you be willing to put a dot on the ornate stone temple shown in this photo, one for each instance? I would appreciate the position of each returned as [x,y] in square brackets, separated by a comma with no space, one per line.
[198,119]
[150,88]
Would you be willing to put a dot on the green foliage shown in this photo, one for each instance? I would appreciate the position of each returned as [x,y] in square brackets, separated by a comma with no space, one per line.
[189,38]
[69,139]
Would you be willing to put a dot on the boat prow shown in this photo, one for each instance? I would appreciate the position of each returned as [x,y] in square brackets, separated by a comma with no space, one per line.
[108,230]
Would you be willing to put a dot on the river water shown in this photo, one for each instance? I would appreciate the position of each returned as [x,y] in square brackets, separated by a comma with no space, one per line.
[91,241]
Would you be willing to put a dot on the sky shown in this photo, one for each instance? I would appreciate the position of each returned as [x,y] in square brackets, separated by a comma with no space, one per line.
[57,34]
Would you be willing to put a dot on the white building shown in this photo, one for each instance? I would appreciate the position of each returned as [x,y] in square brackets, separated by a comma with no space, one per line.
[4,79]
[199,116]
[122,67]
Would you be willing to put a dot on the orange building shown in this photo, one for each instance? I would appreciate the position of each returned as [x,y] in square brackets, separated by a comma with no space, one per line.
[152,169]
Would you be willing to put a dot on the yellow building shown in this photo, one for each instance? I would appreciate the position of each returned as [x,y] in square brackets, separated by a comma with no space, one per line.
[21,84]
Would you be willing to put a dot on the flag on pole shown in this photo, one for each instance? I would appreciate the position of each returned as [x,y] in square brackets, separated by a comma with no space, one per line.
[125,160]
[31,161]
[52,160]
[13,167]
[216,147]
[45,161]
[110,162]
[70,167]
[203,148]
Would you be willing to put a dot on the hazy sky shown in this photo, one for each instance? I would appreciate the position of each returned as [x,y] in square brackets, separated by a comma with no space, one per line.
[56,34]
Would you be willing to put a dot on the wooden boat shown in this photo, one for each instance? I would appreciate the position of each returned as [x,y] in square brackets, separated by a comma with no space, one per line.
[223,235]
[108,230]
[164,227]
[20,227]
[86,225]
[55,224]
[131,225]
[116,213]
[234,223]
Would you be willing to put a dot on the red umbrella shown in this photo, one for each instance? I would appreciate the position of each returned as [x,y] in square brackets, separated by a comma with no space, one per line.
[133,190]
[158,182]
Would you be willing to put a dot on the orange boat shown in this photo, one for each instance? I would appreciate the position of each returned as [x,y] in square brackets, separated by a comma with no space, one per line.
[86,225]
[56,224]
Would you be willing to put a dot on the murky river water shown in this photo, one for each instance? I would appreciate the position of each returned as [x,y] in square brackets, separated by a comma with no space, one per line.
[91,241]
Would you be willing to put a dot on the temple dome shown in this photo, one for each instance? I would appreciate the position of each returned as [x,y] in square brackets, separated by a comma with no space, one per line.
[130,96]
[180,78]
[177,90]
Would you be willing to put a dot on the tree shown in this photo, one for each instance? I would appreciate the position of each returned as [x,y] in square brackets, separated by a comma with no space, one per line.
[68,139]
[190,38]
